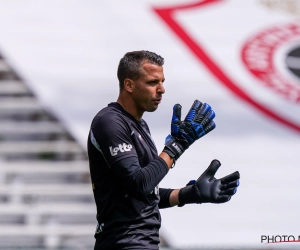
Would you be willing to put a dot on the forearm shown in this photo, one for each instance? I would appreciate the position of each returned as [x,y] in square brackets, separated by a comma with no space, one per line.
[168,160]
[174,200]
[140,182]
[168,198]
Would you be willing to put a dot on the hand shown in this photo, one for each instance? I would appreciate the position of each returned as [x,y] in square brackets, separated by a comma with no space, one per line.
[209,189]
[197,123]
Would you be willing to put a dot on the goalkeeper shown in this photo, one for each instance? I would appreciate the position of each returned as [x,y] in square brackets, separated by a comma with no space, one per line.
[126,168]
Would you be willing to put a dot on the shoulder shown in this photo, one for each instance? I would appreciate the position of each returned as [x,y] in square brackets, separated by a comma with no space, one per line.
[110,120]
[106,114]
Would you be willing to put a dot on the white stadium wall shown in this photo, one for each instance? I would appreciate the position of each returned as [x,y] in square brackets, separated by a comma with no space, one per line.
[241,57]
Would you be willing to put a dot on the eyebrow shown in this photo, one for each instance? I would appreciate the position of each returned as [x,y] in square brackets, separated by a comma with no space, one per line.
[155,80]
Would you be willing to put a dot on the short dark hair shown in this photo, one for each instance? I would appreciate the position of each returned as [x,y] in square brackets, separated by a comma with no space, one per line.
[130,64]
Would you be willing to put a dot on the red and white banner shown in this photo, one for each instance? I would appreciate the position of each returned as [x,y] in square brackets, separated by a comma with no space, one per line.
[250,50]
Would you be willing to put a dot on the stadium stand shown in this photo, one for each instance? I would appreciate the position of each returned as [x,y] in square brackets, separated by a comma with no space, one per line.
[46,199]
[45,193]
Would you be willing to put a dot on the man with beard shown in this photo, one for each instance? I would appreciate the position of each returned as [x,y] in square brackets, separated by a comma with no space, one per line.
[126,168]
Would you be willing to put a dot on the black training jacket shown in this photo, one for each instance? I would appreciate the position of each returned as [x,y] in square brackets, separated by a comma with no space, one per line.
[125,172]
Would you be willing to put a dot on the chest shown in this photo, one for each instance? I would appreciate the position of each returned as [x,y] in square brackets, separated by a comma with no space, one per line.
[144,146]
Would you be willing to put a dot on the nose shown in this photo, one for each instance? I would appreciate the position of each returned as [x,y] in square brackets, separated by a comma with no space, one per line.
[161,88]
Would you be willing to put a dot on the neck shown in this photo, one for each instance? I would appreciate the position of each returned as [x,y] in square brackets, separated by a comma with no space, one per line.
[127,104]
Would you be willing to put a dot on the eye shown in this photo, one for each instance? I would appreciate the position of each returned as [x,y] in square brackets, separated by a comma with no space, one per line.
[152,83]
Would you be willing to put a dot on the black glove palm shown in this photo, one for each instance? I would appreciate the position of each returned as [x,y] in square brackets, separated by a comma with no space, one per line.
[209,189]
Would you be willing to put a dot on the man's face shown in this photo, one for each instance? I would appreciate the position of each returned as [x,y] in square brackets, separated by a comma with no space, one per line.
[148,88]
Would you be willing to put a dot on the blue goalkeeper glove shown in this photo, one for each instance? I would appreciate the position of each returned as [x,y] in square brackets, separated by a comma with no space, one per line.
[197,123]
[209,189]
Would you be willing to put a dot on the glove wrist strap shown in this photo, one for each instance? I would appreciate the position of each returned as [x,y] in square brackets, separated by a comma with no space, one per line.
[188,195]
[173,148]
[171,154]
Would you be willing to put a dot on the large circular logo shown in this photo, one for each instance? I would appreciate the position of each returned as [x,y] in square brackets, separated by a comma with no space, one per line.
[273,56]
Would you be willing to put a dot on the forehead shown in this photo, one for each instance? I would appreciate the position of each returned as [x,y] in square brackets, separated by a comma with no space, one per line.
[149,69]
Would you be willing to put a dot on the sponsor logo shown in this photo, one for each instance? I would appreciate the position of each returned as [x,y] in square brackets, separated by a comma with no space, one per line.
[177,148]
[122,148]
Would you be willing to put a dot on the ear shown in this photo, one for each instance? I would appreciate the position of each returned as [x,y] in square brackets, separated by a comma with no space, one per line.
[128,85]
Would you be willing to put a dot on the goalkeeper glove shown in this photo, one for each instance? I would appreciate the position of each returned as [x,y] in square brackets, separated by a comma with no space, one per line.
[197,123]
[209,189]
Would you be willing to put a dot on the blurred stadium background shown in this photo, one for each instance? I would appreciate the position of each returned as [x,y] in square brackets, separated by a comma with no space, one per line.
[58,62]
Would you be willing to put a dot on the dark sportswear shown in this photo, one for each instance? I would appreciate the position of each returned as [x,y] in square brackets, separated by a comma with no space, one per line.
[125,172]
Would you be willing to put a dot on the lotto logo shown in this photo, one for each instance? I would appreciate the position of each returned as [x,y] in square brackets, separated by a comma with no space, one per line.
[122,148]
